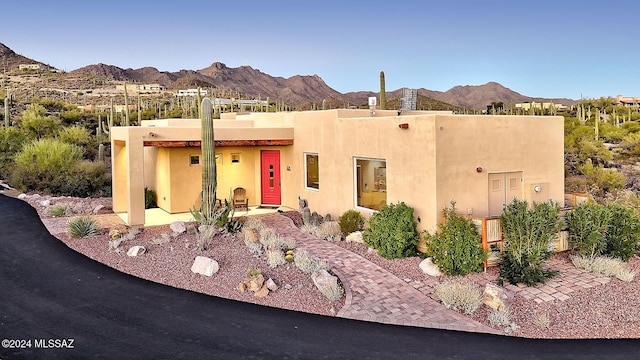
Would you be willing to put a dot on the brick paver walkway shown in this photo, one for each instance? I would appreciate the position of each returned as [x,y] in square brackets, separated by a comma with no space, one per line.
[372,293]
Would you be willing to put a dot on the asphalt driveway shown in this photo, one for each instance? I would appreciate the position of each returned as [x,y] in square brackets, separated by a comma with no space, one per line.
[57,304]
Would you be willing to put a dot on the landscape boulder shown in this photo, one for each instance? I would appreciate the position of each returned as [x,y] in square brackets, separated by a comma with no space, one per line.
[496,297]
[205,266]
[428,267]
[355,236]
[178,227]
[136,250]
[323,279]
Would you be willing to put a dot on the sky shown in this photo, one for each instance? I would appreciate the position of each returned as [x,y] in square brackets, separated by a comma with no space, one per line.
[544,48]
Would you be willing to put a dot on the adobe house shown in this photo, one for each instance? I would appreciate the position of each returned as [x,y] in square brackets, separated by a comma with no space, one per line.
[346,159]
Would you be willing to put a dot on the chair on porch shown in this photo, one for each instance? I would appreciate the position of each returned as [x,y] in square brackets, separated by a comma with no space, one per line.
[240,199]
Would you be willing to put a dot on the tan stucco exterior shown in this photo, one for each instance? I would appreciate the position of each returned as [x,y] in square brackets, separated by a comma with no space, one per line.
[438,157]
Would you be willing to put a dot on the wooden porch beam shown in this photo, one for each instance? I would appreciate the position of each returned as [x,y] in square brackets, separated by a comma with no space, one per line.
[222,143]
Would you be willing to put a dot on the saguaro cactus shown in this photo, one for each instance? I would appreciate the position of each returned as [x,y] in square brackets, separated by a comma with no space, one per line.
[7,113]
[209,174]
[126,106]
[383,92]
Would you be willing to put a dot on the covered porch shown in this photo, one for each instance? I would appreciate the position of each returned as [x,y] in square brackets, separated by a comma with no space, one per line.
[164,156]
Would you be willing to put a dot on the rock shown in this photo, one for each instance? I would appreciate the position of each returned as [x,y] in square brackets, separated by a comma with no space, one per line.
[97,208]
[252,235]
[322,279]
[355,236]
[22,196]
[241,287]
[45,203]
[288,286]
[178,227]
[205,266]
[136,250]
[262,292]
[496,297]
[271,285]
[255,283]
[428,267]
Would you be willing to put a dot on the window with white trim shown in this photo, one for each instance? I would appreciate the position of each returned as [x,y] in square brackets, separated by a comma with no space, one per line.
[371,183]
[312,171]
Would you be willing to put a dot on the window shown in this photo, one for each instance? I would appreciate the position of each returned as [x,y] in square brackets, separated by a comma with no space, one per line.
[235,158]
[194,160]
[371,183]
[312,171]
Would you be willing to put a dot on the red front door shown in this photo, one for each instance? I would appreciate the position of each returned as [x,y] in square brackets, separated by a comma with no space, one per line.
[270,175]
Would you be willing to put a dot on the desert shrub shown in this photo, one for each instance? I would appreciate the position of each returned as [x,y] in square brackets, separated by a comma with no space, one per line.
[542,321]
[605,180]
[42,164]
[82,226]
[623,232]
[11,141]
[275,257]
[457,246]
[253,223]
[459,296]
[587,224]
[611,229]
[329,230]
[60,209]
[149,198]
[37,123]
[499,318]
[165,238]
[527,233]
[74,135]
[307,263]
[274,241]
[351,221]
[309,229]
[604,265]
[86,179]
[392,231]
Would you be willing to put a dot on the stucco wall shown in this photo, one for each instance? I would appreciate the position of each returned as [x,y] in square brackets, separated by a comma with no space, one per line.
[497,144]
[409,154]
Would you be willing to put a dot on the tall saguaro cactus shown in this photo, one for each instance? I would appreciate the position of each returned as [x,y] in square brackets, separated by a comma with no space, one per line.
[7,113]
[126,106]
[383,92]
[209,174]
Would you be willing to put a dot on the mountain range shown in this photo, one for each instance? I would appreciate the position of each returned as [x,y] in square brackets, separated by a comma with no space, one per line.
[295,90]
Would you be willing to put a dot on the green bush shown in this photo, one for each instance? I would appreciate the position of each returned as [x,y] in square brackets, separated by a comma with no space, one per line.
[351,221]
[82,226]
[457,247]
[623,232]
[149,198]
[12,140]
[392,231]
[40,165]
[612,230]
[527,233]
[587,224]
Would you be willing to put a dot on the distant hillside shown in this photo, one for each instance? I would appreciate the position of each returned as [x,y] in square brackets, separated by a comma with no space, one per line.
[472,97]
[9,60]
[305,91]
[243,80]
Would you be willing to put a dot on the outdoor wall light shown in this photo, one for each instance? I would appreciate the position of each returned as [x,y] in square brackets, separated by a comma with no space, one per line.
[537,188]
[479,169]
[151,134]
[403,126]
